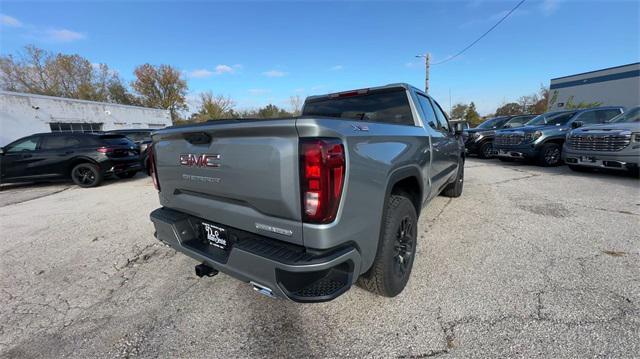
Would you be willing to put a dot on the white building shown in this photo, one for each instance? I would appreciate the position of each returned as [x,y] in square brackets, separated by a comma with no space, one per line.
[24,114]
[615,86]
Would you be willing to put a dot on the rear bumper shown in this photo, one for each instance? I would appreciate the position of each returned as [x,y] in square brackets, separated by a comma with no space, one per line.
[288,271]
[120,166]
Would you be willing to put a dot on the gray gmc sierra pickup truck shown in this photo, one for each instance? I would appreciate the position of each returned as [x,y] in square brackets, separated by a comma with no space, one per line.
[303,208]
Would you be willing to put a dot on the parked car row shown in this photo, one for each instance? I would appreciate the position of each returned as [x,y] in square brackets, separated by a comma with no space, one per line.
[604,137]
[85,158]
[479,140]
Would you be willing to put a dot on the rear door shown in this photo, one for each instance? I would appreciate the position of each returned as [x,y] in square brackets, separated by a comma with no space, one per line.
[241,173]
[54,153]
[438,142]
[452,149]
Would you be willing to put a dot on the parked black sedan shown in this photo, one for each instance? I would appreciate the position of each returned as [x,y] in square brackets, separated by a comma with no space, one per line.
[84,157]
[479,140]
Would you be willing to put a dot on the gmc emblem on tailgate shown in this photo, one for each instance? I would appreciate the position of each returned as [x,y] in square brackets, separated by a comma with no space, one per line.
[202,160]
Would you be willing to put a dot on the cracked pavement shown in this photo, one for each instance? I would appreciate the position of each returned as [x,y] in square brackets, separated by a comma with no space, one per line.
[529,262]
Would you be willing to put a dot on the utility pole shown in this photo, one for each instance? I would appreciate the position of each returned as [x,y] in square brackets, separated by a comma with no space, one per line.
[427,64]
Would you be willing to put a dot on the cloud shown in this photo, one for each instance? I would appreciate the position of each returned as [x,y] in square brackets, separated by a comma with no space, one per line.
[200,73]
[259,91]
[274,73]
[224,69]
[337,68]
[549,7]
[63,35]
[218,70]
[6,20]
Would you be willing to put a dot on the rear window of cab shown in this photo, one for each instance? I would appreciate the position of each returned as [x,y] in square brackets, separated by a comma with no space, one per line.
[385,106]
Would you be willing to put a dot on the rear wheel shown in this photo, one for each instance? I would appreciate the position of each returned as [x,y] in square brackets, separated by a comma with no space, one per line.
[124,175]
[550,155]
[86,175]
[392,266]
[486,150]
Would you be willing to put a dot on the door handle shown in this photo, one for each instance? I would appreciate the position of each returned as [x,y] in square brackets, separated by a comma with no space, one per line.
[66,153]
[26,156]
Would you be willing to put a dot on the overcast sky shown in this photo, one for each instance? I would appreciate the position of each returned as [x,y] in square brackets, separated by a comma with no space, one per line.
[261,52]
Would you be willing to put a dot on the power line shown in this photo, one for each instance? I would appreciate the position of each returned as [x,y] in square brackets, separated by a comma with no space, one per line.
[483,35]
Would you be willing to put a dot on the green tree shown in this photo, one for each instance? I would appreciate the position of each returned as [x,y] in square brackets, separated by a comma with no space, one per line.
[458,111]
[162,87]
[214,108]
[272,111]
[472,116]
[570,105]
[41,72]
[509,109]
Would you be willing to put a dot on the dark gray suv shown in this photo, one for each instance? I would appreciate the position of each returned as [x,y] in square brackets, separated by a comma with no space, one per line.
[542,138]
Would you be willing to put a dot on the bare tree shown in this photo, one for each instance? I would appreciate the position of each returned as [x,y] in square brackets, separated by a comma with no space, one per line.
[40,72]
[296,105]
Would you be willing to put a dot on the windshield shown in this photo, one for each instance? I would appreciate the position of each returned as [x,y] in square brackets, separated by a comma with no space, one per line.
[560,119]
[551,118]
[632,115]
[518,121]
[491,123]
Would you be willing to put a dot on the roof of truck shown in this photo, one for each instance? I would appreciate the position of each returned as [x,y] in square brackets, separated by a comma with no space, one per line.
[388,86]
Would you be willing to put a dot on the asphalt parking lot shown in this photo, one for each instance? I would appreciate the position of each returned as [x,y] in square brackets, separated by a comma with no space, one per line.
[529,262]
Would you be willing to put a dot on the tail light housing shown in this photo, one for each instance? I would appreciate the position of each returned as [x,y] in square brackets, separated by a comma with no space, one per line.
[104,149]
[322,167]
[153,172]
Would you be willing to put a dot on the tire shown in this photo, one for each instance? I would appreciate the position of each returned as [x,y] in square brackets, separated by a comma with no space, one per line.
[454,189]
[86,175]
[550,155]
[391,268]
[579,168]
[486,150]
[124,175]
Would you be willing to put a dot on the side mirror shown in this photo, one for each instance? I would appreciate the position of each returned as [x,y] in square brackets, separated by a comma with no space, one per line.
[458,127]
[1,150]
[577,124]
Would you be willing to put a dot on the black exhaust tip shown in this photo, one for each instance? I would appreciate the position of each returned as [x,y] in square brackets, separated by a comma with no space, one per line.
[203,270]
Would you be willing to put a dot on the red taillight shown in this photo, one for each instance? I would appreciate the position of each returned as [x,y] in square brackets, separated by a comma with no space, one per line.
[322,175]
[152,168]
[105,149]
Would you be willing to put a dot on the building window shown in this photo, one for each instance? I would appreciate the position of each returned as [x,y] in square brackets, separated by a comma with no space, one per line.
[75,127]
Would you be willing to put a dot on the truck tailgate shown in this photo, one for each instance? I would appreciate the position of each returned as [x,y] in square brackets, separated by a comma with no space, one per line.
[242,174]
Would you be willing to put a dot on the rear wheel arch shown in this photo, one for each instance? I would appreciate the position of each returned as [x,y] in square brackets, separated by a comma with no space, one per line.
[406,182]
[76,161]
[558,141]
